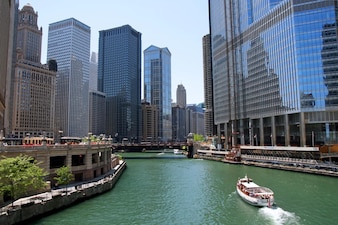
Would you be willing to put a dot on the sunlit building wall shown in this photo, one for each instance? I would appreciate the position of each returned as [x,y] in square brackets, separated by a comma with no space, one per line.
[29,35]
[275,67]
[33,99]
[209,125]
[69,45]
[32,88]
[157,87]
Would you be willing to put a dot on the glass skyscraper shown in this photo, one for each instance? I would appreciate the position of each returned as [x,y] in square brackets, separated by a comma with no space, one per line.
[275,66]
[69,45]
[119,77]
[157,87]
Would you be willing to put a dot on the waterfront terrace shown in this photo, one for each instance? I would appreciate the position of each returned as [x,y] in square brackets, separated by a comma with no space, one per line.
[86,161]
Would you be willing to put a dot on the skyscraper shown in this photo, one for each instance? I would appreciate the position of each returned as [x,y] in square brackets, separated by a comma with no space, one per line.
[119,77]
[29,36]
[179,115]
[181,96]
[157,87]
[149,122]
[210,128]
[178,123]
[33,84]
[274,71]
[69,45]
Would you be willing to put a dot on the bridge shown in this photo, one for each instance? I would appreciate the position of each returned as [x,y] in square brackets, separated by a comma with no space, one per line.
[139,147]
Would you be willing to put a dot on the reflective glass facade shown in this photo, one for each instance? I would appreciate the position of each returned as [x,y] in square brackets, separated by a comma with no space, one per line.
[119,77]
[157,87]
[69,45]
[275,68]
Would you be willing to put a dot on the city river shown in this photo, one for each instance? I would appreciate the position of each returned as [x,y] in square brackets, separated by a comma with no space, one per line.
[194,191]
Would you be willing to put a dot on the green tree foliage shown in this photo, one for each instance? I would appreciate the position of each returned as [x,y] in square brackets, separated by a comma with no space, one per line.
[198,137]
[64,176]
[20,174]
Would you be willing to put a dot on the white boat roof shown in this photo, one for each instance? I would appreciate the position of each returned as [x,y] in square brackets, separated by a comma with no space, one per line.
[250,185]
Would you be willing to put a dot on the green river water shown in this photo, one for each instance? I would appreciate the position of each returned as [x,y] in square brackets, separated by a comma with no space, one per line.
[193,191]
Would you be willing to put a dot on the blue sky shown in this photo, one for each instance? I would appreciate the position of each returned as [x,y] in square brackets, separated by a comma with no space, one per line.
[178,25]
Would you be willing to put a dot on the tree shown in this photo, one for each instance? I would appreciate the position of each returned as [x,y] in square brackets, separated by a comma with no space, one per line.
[64,176]
[19,174]
[198,137]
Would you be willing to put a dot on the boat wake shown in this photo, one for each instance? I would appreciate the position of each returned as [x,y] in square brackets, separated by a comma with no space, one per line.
[161,153]
[279,216]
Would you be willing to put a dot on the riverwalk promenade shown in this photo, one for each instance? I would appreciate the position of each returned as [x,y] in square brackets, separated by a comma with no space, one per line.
[290,164]
[31,207]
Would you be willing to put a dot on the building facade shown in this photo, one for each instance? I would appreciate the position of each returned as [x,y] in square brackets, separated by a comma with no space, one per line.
[6,49]
[69,45]
[97,112]
[181,96]
[93,72]
[157,87]
[179,115]
[29,35]
[119,77]
[209,125]
[194,120]
[274,69]
[149,122]
[33,99]
[32,89]
[178,123]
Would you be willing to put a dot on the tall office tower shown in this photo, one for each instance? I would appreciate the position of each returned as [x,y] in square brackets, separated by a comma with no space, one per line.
[69,45]
[6,49]
[209,126]
[93,72]
[274,66]
[33,84]
[181,96]
[29,36]
[157,87]
[178,123]
[119,77]
[149,122]
[33,99]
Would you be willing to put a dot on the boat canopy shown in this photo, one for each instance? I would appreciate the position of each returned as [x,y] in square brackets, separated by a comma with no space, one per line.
[250,185]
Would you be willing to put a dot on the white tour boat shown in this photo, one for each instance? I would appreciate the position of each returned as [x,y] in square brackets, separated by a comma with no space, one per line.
[253,193]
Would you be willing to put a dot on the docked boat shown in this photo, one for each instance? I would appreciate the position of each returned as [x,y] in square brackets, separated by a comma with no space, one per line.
[254,194]
[177,151]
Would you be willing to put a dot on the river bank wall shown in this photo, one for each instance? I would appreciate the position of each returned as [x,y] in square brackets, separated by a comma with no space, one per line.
[46,203]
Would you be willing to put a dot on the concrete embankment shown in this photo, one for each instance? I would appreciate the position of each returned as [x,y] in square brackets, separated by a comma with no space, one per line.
[49,202]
